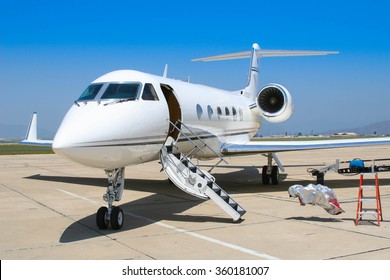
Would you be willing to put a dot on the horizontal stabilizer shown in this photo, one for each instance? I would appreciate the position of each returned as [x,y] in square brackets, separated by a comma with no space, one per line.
[47,143]
[263,53]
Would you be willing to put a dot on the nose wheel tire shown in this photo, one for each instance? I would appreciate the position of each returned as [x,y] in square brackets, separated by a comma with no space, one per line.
[117,218]
[102,220]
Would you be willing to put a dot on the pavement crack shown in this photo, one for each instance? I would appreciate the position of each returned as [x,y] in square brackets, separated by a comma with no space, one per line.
[358,254]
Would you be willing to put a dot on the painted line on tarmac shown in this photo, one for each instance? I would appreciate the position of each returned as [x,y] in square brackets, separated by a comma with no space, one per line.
[203,237]
[78,196]
[180,230]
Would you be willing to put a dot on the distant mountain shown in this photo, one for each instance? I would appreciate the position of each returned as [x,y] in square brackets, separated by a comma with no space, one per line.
[379,128]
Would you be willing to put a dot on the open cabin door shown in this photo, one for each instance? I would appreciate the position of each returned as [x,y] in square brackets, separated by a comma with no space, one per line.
[182,172]
[174,110]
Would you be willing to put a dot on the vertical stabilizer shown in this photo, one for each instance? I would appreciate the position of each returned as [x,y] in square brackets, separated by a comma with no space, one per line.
[253,77]
[165,75]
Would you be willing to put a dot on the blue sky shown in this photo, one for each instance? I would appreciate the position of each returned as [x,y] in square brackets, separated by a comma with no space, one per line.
[51,50]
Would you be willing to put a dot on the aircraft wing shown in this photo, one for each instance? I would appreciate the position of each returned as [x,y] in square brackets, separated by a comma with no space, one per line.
[31,135]
[285,146]
[37,142]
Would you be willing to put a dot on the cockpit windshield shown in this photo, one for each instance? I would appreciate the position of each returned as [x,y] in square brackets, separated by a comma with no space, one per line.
[90,92]
[122,91]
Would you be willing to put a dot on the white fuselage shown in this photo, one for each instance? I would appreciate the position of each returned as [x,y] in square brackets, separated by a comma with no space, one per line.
[113,133]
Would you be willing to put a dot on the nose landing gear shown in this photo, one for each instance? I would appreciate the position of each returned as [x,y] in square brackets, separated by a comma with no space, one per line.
[112,214]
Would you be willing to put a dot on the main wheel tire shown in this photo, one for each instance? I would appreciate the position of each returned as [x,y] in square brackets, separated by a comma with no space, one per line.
[102,218]
[275,175]
[117,218]
[264,175]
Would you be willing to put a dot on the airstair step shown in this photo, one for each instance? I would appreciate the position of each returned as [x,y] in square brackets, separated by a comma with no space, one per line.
[215,188]
[169,148]
[192,168]
[218,192]
[224,196]
[233,204]
[227,199]
[177,155]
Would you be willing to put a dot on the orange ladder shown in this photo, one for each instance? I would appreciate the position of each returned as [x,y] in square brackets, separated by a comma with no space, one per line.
[375,212]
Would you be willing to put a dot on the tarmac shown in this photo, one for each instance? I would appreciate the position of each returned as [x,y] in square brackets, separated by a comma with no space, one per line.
[48,208]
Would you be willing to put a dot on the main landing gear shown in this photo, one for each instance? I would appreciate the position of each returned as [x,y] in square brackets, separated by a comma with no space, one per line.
[112,214]
[270,172]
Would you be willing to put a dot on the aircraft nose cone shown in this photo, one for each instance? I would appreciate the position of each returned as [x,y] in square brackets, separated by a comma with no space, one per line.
[68,137]
[60,144]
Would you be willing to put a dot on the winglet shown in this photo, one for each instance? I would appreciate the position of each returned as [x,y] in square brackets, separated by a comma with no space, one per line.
[31,134]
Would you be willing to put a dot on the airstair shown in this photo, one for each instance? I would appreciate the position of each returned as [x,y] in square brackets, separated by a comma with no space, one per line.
[188,177]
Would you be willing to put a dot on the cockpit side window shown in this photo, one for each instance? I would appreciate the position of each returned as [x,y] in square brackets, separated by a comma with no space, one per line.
[149,93]
[90,92]
[121,91]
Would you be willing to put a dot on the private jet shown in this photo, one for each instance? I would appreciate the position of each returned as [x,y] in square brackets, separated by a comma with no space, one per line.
[128,117]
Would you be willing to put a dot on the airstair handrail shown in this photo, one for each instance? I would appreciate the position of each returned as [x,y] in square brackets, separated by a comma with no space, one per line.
[181,131]
[203,142]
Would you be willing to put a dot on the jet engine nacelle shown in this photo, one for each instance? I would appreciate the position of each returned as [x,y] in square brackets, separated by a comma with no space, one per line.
[274,103]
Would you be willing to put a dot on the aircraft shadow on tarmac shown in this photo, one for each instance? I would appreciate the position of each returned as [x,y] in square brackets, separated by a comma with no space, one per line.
[315,219]
[370,222]
[138,214]
[245,180]
[167,202]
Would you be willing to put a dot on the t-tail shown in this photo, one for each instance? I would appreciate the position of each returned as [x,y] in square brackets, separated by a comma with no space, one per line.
[273,101]
[253,86]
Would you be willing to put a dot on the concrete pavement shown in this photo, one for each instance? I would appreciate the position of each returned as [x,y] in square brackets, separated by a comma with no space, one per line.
[48,206]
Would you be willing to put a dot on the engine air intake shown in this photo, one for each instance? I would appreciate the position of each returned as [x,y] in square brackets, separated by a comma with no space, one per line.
[271,100]
[274,103]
